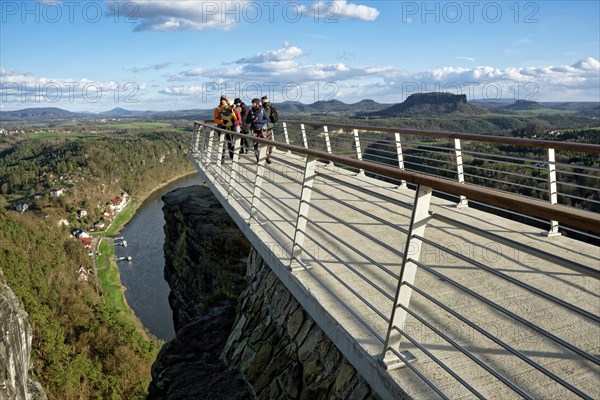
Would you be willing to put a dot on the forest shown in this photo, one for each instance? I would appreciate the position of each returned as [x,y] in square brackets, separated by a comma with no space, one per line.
[82,348]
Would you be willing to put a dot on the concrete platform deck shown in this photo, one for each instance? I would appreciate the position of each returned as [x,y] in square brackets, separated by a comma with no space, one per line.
[350,289]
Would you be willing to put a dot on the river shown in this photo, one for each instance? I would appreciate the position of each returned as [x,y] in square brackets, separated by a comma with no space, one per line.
[147,291]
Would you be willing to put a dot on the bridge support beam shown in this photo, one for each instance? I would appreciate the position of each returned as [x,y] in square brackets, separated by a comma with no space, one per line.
[302,217]
[412,253]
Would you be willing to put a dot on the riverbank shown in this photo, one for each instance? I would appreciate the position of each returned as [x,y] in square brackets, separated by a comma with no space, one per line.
[137,201]
[112,287]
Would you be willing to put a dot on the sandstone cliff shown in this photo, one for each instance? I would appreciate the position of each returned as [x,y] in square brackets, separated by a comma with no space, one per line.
[15,350]
[269,347]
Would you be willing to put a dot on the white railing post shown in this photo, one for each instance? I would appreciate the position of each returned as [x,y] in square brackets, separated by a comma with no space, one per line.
[258,181]
[196,138]
[221,149]
[552,190]
[286,136]
[209,149]
[304,138]
[358,151]
[327,141]
[235,166]
[302,217]
[400,157]
[412,253]
[463,202]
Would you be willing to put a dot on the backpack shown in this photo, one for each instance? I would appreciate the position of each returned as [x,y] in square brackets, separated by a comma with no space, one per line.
[227,117]
[273,114]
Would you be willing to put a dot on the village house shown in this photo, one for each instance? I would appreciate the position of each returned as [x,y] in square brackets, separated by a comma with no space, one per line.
[38,196]
[22,207]
[100,225]
[63,221]
[118,203]
[81,234]
[108,215]
[56,192]
[81,213]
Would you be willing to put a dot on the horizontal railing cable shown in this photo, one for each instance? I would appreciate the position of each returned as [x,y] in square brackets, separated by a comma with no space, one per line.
[512,280]
[511,314]
[573,217]
[545,144]
[360,253]
[414,369]
[375,334]
[440,363]
[360,232]
[552,258]
[364,190]
[467,353]
[500,342]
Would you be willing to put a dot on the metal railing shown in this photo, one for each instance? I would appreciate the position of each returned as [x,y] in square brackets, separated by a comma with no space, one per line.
[349,249]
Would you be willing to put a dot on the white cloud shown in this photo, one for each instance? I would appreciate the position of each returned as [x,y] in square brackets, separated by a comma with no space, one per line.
[186,15]
[22,90]
[278,68]
[285,74]
[286,53]
[332,10]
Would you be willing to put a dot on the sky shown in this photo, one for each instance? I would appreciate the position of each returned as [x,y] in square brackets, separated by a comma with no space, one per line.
[97,55]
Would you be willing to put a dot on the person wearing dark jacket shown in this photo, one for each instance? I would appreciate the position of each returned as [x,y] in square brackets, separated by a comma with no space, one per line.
[266,104]
[245,126]
[258,120]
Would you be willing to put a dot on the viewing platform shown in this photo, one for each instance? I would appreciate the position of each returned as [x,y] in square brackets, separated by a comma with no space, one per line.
[424,290]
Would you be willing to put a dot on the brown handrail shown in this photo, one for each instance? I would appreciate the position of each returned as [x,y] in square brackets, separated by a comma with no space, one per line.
[569,216]
[544,144]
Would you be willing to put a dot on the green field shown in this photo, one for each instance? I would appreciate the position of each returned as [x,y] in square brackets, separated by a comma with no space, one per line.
[54,135]
[134,125]
[108,272]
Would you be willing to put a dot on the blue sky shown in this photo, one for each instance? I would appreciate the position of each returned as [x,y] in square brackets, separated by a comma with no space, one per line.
[165,55]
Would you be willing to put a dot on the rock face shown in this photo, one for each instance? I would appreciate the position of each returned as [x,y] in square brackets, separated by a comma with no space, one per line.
[280,350]
[15,349]
[205,264]
[268,347]
[205,253]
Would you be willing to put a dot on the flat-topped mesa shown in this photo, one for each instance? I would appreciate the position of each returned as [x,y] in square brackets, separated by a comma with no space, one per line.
[432,103]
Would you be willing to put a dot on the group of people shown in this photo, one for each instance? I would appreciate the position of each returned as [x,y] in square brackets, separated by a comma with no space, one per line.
[258,119]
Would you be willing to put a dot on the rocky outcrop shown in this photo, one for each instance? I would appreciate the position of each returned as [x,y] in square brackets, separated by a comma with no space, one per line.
[205,253]
[15,349]
[432,103]
[205,266]
[280,350]
[188,366]
[240,333]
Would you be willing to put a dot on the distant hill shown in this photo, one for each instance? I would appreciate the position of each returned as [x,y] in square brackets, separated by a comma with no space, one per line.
[432,103]
[329,107]
[120,112]
[520,105]
[45,113]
